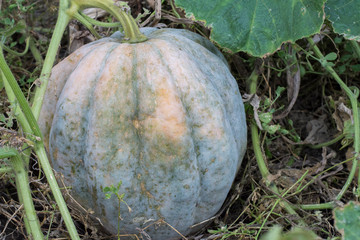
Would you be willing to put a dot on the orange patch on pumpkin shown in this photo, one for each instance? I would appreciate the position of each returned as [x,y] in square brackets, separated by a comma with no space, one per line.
[170,115]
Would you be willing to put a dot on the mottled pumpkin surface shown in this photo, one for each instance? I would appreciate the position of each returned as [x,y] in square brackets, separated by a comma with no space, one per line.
[164,116]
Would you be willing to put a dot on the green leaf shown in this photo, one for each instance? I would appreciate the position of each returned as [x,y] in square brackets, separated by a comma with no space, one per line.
[256,27]
[265,117]
[279,90]
[355,68]
[325,63]
[331,56]
[122,196]
[347,220]
[12,44]
[272,129]
[345,18]
[283,131]
[2,117]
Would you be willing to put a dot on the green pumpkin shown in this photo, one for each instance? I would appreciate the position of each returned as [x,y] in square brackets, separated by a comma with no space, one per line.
[164,116]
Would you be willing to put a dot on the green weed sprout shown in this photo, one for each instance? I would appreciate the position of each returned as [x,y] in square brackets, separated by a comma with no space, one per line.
[109,191]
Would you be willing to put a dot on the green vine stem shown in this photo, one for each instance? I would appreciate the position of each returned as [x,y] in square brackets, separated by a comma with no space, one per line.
[131,30]
[174,9]
[19,54]
[62,22]
[319,206]
[87,24]
[8,78]
[99,23]
[41,154]
[14,91]
[22,184]
[328,205]
[353,95]
[252,83]
[12,99]
[18,113]
[35,52]
[331,142]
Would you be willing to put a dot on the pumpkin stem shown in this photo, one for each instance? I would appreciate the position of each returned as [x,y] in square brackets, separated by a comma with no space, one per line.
[131,30]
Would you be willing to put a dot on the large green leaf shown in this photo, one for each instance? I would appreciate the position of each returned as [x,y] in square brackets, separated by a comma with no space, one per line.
[345,17]
[347,221]
[257,27]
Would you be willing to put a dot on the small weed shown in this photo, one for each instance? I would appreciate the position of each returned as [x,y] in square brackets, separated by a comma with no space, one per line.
[112,190]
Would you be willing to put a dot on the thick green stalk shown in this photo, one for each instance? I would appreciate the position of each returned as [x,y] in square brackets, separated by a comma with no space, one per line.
[22,185]
[131,30]
[12,99]
[10,79]
[62,22]
[354,104]
[39,147]
[45,165]
[20,117]
[99,23]
[7,154]
[86,23]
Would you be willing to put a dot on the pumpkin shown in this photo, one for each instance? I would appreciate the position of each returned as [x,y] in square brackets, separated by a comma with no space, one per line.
[163,116]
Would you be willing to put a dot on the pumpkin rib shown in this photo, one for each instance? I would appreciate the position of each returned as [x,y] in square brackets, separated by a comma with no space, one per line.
[92,119]
[112,87]
[61,73]
[148,71]
[107,162]
[71,128]
[241,141]
[192,67]
[189,124]
[179,93]
[139,171]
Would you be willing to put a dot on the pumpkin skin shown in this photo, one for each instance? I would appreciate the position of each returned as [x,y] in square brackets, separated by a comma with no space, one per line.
[164,116]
